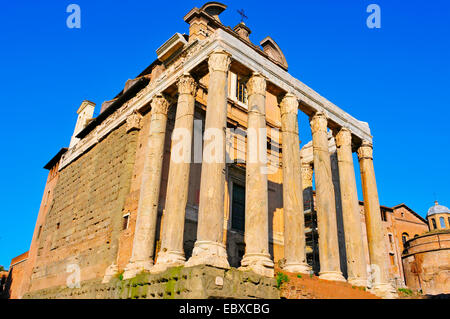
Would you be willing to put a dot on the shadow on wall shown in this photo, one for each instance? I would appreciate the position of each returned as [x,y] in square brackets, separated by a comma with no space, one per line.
[5,285]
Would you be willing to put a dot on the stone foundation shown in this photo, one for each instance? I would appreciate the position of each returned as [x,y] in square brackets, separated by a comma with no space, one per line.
[199,282]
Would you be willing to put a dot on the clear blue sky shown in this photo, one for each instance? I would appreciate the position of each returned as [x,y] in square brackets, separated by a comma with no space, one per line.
[396,78]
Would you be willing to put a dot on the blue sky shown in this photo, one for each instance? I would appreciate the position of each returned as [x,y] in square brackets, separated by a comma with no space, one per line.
[396,78]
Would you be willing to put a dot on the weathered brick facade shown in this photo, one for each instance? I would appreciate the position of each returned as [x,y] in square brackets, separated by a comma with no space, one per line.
[84,220]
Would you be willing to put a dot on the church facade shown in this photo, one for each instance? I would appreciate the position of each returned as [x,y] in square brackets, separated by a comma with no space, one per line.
[197,162]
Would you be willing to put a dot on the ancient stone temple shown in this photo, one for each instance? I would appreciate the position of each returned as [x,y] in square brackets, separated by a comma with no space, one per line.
[191,181]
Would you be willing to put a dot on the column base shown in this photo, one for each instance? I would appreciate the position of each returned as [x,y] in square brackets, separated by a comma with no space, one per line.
[331,275]
[110,272]
[385,291]
[135,267]
[258,263]
[167,260]
[358,282]
[209,253]
[296,267]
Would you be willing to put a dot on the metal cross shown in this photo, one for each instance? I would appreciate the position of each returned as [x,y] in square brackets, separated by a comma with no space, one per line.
[242,14]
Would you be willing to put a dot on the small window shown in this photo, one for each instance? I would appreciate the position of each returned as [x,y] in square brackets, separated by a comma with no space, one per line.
[241,91]
[57,225]
[442,222]
[416,235]
[125,221]
[383,215]
[238,208]
[433,222]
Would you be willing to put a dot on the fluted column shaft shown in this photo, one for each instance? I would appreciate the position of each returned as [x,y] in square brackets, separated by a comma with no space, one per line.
[375,233]
[257,257]
[356,258]
[171,253]
[209,248]
[325,202]
[145,232]
[294,220]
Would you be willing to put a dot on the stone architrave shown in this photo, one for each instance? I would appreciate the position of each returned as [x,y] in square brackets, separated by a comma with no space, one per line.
[325,202]
[171,253]
[209,248]
[257,257]
[356,258]
[144,237]
[375,233]
[294,220]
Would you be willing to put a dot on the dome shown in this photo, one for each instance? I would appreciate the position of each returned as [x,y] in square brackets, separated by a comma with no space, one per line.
[438,209]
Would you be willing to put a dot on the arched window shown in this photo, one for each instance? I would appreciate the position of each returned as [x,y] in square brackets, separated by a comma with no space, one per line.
[433,222]
[405,237]
[442,222]
[416,235]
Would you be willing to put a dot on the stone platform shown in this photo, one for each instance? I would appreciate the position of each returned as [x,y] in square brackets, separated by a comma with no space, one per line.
[199,282]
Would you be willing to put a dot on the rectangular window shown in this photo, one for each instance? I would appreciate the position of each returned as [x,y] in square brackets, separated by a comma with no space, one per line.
[238,208]
[383,215]
[241,91]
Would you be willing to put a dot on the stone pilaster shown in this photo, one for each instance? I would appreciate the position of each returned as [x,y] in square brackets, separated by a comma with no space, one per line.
[325,202]
[209,248]
[375,233]
[257,257]
[145,232]
[171,253]
[294,220]
[356,258]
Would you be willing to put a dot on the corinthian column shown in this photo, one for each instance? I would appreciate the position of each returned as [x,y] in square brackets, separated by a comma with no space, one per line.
[171,253]
[209,249]
[356,258]
[294,220]
[144,235]
[325,202]
[375,233]
[257,257]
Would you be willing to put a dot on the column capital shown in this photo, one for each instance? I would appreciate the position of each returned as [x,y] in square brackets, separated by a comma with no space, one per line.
[219,60]
[365,151]
[319,122]
[256,84]
[343,137]
[289,104]
[134,122]
[186,84]
[160,105]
